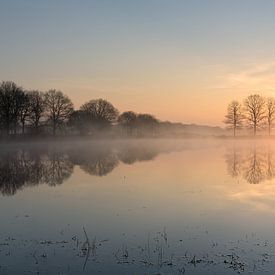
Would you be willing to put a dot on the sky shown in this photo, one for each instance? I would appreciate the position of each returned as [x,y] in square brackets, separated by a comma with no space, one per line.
[181,60]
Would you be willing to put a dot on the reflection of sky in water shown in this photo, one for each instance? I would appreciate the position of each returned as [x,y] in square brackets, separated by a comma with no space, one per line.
[179,198]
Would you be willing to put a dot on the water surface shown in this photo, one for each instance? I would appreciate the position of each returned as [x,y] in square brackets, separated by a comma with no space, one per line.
[147,207]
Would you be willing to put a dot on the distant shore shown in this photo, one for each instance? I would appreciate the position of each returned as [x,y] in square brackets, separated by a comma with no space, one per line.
[30,139]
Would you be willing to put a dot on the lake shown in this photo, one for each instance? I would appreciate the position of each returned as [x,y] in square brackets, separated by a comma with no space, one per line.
[138,207]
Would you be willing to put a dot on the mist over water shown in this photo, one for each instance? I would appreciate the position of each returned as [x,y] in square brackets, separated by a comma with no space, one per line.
[147,207]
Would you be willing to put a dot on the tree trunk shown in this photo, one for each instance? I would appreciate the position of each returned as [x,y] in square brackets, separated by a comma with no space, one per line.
[36,127]
[54,128]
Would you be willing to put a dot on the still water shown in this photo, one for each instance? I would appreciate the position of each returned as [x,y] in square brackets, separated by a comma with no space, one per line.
[138,207]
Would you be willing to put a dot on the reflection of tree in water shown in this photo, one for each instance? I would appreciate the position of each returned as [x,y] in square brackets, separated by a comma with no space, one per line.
[255,166]
[100,166]
[270,165]
[20,168]
[234,163]
[95,161]
[100,161]
[13,174]
[130,155]
[57,168]
[52,165]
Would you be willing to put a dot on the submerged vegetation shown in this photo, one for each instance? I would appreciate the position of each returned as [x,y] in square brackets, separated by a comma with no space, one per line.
[150,254]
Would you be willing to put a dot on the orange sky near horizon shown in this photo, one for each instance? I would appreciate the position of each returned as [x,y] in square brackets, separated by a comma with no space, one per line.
[186,97]
[182,61]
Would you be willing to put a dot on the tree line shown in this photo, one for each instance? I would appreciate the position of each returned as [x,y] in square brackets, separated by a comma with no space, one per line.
[34,112]
[256,113]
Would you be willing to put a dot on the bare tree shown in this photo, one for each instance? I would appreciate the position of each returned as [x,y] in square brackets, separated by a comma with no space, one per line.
[255,108]
[58,108]
[270,106]
[25,111]
[234,116]
[100,113]
[11,101]
[37,109]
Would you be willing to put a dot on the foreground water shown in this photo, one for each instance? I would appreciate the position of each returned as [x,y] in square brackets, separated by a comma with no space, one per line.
[139,207]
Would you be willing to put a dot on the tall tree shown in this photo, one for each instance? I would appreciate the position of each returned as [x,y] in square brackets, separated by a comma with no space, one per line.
[11,101]
[37,109]
[100,113]
[255,110]
[58,108]
[270,106]
[234,116]
[24,111]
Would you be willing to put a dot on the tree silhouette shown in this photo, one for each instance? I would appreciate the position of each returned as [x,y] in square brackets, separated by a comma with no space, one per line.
[270,106]
[11,102]
[58,108]
[25,111]
[37,109]
[128,121]
[78,122]
[36,112]
[255,108]
[147,124]
[234,116]
[100,113]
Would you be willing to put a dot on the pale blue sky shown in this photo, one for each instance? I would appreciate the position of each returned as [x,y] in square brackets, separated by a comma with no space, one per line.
[154,56]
